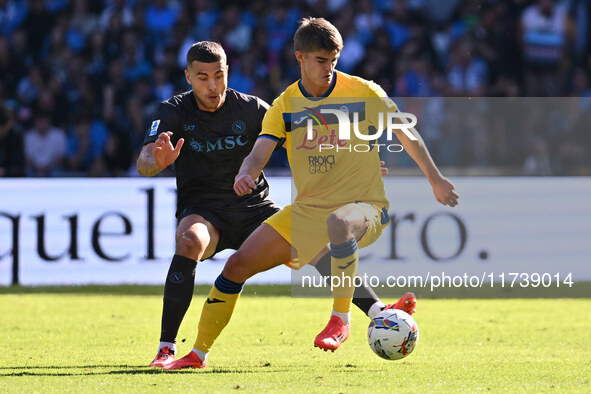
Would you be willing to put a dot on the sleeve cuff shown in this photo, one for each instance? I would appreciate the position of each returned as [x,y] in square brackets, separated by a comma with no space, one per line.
[271,137]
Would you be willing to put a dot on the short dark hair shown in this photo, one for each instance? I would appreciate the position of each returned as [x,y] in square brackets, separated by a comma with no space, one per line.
[317,34]
[205,52]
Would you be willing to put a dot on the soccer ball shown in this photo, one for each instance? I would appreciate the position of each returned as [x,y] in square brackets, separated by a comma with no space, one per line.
[392,334]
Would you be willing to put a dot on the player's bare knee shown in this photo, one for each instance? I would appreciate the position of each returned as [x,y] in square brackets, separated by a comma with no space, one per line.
[236,269]
[339,227]
[192,244]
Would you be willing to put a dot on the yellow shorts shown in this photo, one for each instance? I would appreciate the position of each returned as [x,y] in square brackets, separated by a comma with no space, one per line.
[305,228]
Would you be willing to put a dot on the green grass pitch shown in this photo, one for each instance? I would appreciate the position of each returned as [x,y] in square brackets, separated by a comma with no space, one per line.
[102,339]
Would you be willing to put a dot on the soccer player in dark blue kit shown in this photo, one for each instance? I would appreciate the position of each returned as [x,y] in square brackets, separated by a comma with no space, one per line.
[207,132]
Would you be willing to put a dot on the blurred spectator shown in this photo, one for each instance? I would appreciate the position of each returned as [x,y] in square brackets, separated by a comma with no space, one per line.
[580,11]
[580,86]
[82,20]
[367,20]
[117,83]
[490,44]
[37,24]
[417,78]
[95,52]
[56,53]
[47,103]
[134,57]
[439,11]
[133,122]
[163,88]
[237,33]
[537,163]
[119,58]
[55,6]
[114,35]
[118,9]
[206,16]
[279,25]
[29,87]
[398,25]
[572,141]
[8,68]
[117,155]
[86,143]
[45,147]
[452,146]
[12,14]
[378,67]
[12,155]
[354,50]
[22,58]
[547,36]
[160,17]
[467,74]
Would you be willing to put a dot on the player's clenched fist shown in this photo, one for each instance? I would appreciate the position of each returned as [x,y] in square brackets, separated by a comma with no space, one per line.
[244,184]
[164,153]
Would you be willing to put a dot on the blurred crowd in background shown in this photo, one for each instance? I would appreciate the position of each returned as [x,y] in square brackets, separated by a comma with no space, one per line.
[80,79]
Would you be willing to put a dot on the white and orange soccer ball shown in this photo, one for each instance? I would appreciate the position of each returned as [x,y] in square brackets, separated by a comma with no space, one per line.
[393,334]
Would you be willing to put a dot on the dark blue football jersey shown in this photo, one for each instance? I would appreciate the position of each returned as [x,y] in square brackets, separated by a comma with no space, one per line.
[215,145]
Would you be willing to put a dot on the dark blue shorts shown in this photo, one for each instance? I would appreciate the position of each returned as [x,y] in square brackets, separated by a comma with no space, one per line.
[234,223]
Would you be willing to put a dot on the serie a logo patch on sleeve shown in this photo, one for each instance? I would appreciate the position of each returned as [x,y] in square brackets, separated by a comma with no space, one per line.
[154,127]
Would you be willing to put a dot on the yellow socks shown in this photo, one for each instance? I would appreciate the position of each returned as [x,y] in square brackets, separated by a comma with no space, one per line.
[217,311]
[344,261]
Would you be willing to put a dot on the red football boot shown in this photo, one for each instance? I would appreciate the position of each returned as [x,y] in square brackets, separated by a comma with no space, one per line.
[407,303]
[165,356]
[335,333]
[191,360]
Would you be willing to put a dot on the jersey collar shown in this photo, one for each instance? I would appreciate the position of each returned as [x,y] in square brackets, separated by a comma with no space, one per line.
[326,94]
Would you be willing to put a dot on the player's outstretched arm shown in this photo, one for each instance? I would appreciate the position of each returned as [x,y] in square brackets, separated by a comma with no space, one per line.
[253,165]
[443,189]
[158,155]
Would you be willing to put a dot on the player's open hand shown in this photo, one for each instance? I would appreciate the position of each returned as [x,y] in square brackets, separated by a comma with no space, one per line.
[244,184]
[445,192]
[164,153]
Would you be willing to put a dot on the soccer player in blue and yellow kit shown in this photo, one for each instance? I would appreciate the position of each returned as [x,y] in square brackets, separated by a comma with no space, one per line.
[344,206]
